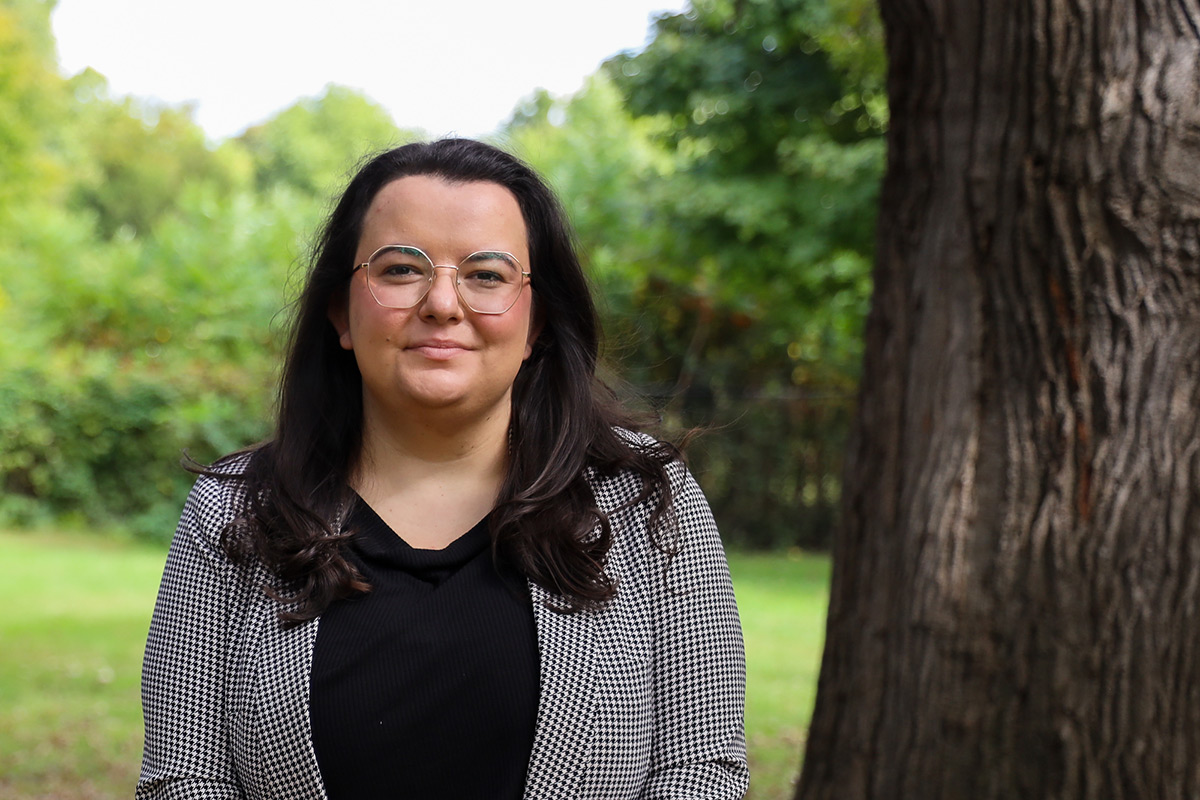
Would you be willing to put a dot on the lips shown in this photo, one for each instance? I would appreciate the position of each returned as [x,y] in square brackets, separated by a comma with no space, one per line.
[438,349]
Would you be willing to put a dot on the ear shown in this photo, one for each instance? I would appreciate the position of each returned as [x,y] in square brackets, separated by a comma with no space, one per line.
[536,321]
[339,316]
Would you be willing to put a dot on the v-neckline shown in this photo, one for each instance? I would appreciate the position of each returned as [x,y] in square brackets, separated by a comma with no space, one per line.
[379,545]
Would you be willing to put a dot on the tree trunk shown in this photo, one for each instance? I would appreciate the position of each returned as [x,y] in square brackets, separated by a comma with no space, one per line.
[1015,608]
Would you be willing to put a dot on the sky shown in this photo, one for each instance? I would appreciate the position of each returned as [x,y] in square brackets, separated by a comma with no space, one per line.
[444,67]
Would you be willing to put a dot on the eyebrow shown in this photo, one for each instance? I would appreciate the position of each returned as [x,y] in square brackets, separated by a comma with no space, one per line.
[502,254]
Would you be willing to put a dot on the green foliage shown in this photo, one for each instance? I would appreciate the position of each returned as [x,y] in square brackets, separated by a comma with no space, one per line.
[722,184]
[32,99]
[310,146]
[86,441]
[127,352]
[775,111]
[602,163]
[143,277]
[727,200]
[137,159]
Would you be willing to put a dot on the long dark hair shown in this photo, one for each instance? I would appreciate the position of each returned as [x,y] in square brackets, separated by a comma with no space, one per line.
[564,419]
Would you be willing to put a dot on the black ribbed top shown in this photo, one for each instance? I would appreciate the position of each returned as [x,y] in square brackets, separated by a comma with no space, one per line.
[427,686]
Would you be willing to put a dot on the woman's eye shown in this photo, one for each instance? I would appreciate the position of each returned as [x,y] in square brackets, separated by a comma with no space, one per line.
[400,271]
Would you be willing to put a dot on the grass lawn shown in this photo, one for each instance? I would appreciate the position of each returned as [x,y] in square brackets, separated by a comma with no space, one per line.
[76,611]
[782,598]
[75,617]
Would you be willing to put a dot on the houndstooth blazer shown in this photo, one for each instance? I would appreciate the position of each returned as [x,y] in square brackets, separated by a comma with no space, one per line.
[641,699]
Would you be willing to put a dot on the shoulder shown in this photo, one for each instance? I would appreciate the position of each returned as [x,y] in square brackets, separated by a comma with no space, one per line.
[217,498]
[667,555]
[198,563]
[616,487]
[681,484]
[686,514]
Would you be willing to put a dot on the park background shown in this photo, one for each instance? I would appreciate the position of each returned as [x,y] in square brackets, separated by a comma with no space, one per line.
[722,181]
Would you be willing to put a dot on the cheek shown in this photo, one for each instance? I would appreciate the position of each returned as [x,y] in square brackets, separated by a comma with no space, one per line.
[371,321]
[508,341]
[517,335]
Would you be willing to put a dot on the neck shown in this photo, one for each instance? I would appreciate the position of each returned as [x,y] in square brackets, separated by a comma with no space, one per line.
[400,449]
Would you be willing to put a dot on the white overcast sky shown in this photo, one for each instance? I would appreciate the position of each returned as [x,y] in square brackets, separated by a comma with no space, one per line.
[446,67]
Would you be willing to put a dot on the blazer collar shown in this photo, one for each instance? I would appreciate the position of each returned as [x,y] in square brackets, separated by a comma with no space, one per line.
[563,738]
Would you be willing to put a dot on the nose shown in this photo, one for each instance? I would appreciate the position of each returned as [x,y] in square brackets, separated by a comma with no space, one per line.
[442,302]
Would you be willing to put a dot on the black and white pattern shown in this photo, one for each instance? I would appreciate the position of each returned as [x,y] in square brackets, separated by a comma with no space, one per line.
[642,699]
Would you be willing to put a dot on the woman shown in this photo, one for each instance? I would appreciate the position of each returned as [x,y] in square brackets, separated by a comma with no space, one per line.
[454,571]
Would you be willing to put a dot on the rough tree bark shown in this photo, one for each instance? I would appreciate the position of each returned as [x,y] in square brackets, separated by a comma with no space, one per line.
[1015,607]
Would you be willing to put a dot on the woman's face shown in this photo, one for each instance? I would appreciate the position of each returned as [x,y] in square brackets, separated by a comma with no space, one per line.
[438,355]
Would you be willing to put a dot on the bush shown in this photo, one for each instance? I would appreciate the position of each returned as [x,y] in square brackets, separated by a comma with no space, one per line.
[101,446]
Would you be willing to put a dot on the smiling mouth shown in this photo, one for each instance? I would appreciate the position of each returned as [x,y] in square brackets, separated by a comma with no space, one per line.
[438,351]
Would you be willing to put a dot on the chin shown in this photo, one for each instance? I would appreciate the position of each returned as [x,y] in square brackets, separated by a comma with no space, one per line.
[437,398]
[440,402]
[433,397]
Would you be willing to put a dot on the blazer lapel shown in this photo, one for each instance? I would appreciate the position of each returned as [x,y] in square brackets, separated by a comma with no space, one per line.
[562,741]
[288,766]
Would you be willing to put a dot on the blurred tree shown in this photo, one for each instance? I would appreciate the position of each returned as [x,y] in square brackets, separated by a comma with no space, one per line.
[777,112]
[307,145]
[35,159]
[143,265]
[135,158]
[34,102]
[774,114]
[1014,601]
[604,164]
[140,273]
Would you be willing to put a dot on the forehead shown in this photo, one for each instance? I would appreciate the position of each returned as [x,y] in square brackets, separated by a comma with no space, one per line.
[446,219]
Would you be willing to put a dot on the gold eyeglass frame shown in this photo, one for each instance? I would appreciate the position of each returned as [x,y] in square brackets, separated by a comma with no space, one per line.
[366,265]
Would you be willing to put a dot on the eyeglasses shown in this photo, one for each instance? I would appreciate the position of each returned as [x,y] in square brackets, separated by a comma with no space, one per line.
[487,281]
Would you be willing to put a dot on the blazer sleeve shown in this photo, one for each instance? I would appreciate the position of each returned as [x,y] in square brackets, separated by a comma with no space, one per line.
[185,671]
[699,668]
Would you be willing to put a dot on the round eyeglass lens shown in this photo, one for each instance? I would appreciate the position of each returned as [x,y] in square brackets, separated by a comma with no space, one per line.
[488,281]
